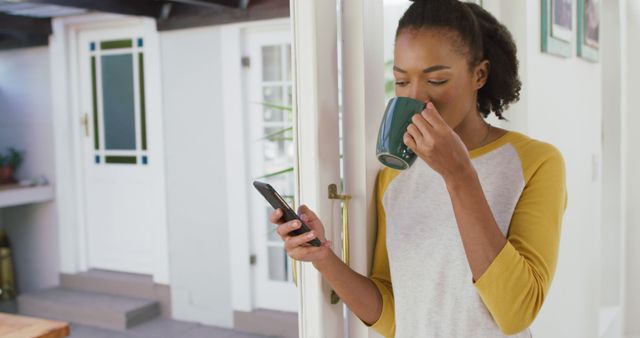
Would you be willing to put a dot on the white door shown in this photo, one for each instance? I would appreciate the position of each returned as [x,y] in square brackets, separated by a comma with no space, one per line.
[123,177]
[272,153]
[316,34]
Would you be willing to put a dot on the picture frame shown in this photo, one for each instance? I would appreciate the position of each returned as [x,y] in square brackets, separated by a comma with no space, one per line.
[556,27]
[588,38]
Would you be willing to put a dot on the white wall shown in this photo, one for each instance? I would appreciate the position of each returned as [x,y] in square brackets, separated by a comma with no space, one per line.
[611,230]
[563,106]
[560,103]
[26,124]
[630,104]
[195,171]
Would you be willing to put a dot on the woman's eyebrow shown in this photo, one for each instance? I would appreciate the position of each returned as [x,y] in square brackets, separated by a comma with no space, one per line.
[426,70]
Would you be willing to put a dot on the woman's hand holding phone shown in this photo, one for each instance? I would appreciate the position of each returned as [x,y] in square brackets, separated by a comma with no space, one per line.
[297,246]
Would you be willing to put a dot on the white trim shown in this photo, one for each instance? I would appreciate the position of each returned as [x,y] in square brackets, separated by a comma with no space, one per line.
[237,176]
[316,103]
[363,102]
[268,294]
[64,84]
[231,40]
[624,146]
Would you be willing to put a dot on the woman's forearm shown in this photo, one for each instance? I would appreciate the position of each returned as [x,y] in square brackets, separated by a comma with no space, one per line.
[481,237]
[357,291]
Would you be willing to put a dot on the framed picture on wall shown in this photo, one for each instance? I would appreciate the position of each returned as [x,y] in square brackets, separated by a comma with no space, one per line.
[588,41]
[556,26]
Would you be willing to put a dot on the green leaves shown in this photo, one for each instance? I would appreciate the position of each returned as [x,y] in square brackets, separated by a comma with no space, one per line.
[11,158]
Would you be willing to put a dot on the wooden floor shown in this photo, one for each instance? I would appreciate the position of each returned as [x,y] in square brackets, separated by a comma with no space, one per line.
[15,326]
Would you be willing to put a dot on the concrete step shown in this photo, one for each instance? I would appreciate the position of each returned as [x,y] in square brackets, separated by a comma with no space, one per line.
[120,284]
[89,308]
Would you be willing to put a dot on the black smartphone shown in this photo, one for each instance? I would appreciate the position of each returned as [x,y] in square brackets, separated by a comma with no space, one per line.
[276,201]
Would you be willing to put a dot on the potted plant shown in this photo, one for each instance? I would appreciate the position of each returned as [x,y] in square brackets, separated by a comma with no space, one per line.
[9,163]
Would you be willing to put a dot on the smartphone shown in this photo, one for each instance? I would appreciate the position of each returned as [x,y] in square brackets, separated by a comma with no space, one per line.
[276,201]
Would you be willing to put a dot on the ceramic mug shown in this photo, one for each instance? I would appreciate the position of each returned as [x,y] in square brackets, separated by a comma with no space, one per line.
[390,149]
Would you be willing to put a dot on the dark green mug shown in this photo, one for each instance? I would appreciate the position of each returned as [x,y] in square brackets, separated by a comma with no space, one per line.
[391,150]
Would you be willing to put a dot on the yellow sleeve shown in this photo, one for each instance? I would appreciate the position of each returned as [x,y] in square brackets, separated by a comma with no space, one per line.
[380,274]
[514,286]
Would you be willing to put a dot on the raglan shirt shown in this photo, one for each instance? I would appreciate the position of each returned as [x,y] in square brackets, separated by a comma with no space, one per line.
[419,264]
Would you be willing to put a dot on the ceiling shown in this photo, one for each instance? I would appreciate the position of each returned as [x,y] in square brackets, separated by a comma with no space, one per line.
[25,23]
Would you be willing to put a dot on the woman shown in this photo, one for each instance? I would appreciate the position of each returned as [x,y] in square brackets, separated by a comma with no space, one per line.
[468,236]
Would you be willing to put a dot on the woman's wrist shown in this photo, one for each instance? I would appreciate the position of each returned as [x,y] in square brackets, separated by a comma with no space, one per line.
[325,263]
[462,177]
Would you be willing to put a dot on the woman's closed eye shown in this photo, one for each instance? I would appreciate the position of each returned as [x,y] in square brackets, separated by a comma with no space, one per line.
[431,82]
[437,82]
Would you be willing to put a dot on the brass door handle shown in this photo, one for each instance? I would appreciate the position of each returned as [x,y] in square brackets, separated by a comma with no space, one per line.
[333,194]
[84,121]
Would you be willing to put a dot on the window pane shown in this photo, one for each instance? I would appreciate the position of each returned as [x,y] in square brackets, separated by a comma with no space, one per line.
[277,264]
[118,102]
[271,63]
[273,95]
[277,147]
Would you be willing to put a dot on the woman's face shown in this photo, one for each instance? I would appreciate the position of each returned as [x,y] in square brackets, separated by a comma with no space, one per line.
[428,67]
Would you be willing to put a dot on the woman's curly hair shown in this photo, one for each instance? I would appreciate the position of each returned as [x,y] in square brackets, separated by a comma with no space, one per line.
[480,37]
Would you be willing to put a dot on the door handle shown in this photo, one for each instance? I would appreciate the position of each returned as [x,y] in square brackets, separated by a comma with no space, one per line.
[333,194]
[84,121]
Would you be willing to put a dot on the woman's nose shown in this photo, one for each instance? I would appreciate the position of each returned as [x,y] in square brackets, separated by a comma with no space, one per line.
[419,93]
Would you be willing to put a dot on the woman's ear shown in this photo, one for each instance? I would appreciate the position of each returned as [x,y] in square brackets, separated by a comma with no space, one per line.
[481,74]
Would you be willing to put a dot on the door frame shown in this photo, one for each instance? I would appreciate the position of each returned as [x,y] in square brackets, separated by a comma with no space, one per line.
[232,44]
[363,102]
[362,56]
[268,294]
[67,134]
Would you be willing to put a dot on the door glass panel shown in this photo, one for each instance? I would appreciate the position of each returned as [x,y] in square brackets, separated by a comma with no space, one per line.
[94,102]
[117,89]
[118,102]
[271,63]
[278,147]
[278,262]
[272,97]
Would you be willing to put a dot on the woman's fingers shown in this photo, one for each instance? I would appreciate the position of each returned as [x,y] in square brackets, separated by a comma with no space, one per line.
[292,242]
[413,130]
[433,117]
[307,215]
[409,141]
[276,216]
[285,228]
[422,125]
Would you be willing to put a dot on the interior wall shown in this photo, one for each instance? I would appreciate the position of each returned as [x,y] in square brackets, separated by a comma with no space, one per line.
[611,229]
[26,124]
[564,108]
[561,100]
[631,102]
[195,171]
